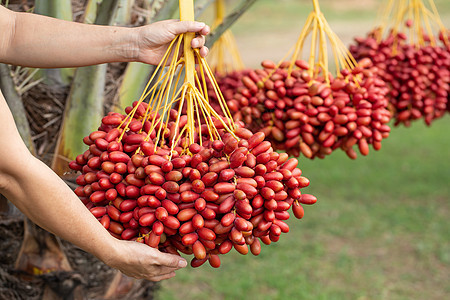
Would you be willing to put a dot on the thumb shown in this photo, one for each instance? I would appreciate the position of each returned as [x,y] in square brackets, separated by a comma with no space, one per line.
[171,260]
[187,26]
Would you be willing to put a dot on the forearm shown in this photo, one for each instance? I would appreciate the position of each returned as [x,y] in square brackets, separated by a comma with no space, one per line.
[41,195]
[39,41]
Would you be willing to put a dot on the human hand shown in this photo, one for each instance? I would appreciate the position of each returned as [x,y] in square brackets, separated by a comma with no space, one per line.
[141,261]
[154,39]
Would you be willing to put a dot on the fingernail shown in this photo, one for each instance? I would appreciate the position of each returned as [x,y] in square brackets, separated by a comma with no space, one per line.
[201,24]
[182,263]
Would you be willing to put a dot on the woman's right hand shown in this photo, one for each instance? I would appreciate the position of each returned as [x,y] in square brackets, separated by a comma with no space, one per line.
[143,262]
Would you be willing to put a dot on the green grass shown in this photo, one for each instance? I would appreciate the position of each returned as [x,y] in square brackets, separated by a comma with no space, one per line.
[380,230]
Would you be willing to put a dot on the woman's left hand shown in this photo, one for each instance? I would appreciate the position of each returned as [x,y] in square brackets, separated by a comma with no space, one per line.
[154,39]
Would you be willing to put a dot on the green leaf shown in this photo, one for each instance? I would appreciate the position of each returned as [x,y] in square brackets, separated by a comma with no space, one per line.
[134,80]
[83,113]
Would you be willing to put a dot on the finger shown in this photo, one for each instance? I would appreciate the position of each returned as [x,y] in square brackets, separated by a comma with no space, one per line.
[161,277]
[198,42]
[204,51]
[206,30]
[171,260]
[149,272]
[187,26]
[163,270]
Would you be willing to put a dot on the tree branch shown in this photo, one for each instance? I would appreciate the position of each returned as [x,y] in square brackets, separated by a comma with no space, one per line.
[15,105]
[200,7]
[228,21]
